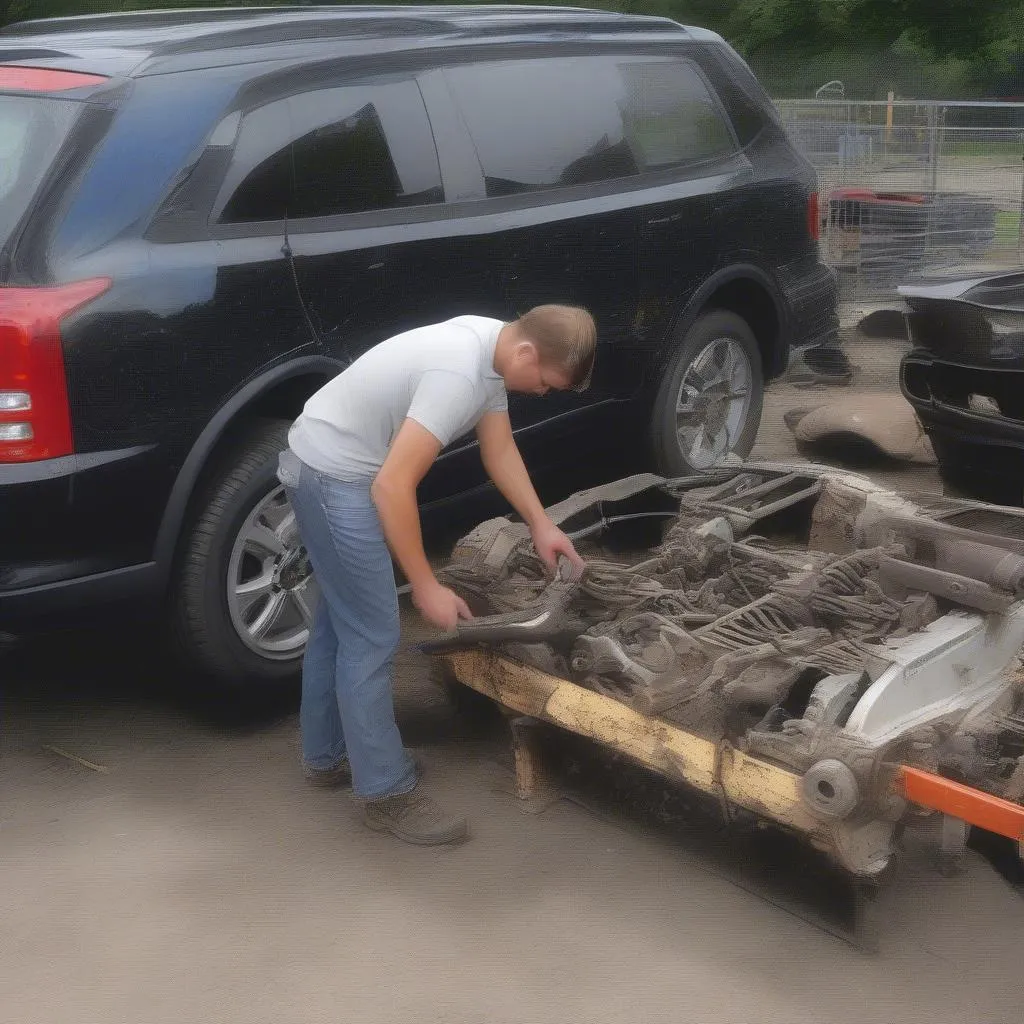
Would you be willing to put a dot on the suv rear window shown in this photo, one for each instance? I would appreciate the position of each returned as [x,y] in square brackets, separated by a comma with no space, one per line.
[32,130]
[550,123]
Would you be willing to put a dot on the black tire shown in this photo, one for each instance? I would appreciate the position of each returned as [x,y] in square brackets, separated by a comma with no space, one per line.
[669,456]
[202,628]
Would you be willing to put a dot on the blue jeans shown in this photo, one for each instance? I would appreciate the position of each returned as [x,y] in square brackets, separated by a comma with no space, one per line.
[347,704]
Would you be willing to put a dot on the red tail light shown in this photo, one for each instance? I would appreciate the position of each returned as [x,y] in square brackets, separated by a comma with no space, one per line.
[35,419]
[814,217]
[44,79]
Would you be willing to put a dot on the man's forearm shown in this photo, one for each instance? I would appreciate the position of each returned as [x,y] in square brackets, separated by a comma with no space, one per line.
[400,519]
[508,472]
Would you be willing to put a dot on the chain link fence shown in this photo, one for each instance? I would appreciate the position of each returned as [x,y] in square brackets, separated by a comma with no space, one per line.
[908,188]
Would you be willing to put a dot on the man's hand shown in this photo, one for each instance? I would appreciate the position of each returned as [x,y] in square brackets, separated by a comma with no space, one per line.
[440,606]
[550,542]
[505,467]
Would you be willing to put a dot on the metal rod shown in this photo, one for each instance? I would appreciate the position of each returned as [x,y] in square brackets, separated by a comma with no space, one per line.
[964,802]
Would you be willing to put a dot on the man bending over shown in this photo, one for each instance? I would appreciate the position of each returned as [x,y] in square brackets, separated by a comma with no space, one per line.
[356,455]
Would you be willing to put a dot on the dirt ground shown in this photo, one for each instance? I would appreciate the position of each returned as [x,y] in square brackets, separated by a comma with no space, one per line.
[196,877]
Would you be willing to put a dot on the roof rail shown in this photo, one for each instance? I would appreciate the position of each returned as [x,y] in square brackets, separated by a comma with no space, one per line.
[208,20]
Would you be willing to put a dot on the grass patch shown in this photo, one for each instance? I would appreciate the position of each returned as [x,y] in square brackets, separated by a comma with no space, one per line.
[983,150]
[1007,229]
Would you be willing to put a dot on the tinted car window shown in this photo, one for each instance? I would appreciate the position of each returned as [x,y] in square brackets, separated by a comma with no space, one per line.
[32,130]
[334,151]
[543,124]
[746,102]
[670,116]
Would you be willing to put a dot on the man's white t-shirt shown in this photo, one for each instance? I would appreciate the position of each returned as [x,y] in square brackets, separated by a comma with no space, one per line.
[441,376]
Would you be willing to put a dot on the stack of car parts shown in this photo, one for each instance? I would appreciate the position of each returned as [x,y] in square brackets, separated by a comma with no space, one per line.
[809,648]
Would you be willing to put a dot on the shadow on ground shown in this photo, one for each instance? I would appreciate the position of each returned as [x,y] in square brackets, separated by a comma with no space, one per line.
[99,668]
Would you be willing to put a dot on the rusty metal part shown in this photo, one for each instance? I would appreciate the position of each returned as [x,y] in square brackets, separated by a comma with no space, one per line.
[976,570]
[789,559]
[750,497]
[488,550]
[729,675]
[541,655]
[589,503]
[833,698]
[971,593]
[830,790]
[917,529]
[658,660]
[602,655]
[760,622]
[548,620]
[999,569]
[768,609]
[791,682]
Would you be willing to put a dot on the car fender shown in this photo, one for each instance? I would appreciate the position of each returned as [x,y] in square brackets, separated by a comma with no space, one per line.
[206,443]
[700,301]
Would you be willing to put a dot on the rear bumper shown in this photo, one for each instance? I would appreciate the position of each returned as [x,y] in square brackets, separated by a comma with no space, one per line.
[811,291]
[76,535]
[80,599]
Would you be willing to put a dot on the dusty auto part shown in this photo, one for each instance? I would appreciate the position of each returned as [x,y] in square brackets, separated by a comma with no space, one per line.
[795,650]
[830,790]
[833,699]
[750,497]
[629,500]
[539,654]
[601,655]
[886,422]
[946,536]
[657,661]
[951,586]
[976,570]
[965,376]
[549,619]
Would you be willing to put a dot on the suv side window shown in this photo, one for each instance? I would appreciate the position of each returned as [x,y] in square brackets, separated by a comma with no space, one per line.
[353,149]
[746,102]
[554,123]
[671,117]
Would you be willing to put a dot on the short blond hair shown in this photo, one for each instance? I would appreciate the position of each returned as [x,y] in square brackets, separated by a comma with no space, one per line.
[565,336]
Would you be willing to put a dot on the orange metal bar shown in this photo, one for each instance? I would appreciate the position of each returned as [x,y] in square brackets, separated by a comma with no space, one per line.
[971,805]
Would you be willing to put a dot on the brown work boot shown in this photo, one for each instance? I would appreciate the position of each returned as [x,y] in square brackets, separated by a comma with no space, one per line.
[415,818]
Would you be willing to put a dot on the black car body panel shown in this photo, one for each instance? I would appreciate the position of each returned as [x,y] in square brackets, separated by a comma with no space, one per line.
[212,317]
[965,377]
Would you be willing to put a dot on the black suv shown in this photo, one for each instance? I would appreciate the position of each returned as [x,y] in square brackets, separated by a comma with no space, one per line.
[205,215]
